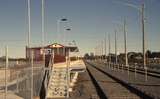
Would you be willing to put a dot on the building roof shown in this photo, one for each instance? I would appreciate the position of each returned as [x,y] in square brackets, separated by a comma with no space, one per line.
[55,45]
[72,48]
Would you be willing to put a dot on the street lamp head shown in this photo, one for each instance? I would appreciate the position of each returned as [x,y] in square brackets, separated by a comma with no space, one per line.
[64,19]
[68,29]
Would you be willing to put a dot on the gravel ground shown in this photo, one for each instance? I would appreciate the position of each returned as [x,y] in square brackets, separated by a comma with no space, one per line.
[112,89]
[151,86]
[84,88]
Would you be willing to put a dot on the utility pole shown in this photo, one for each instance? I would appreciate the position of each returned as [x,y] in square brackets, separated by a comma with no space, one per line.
[42,22]
[144,40]
[125,45]
[58,30]
[143,35]
[30,52]
[95,52]
[29,29]
[115,47]
[43,32]
[109,50]
[102,51]
[105,46]
[29,23]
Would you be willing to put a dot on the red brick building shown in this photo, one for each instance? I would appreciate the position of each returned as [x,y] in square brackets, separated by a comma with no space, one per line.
[60,52]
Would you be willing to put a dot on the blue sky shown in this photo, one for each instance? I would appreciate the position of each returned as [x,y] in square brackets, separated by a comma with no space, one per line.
[89,20]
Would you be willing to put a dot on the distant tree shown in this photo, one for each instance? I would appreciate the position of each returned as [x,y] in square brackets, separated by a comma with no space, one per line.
[91,55]
[86,56]
[134,57]
[121,58]
[148,53]
[155,54]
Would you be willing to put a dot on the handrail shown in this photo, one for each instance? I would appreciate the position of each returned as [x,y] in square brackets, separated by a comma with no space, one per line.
[47,73]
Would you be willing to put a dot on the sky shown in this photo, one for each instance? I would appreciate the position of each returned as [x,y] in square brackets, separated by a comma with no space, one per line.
[90,22]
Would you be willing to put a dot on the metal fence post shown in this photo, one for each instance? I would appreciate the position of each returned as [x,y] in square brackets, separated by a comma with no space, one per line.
[69,75]
[113,66]
[17,82]
[135,70]
[67,63]
[118,67]
[122,67]
[6,68]
[128,69]
[31,74]
[146,76]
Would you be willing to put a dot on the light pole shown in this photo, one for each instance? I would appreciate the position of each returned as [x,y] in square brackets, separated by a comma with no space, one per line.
[29,28]
[65,34]
[144,41]
[95,53]
[97,50]
[105,47]
[58,29]
[42,22]
[58,26]
[125,45]
[30,54]
[143,34]
[115,47]
[109,50]
[29,23]
[43,32]
[102,50]
[67,29]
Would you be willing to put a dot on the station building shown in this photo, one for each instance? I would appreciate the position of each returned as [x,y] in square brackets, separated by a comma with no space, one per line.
[58,50]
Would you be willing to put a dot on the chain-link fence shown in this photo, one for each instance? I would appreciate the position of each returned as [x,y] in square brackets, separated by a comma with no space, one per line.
[19,78]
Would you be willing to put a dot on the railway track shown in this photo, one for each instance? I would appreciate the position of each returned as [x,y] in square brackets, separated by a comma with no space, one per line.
[109,87]
[99,90]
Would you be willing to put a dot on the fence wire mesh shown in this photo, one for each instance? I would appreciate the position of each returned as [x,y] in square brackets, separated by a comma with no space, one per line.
[16,79]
